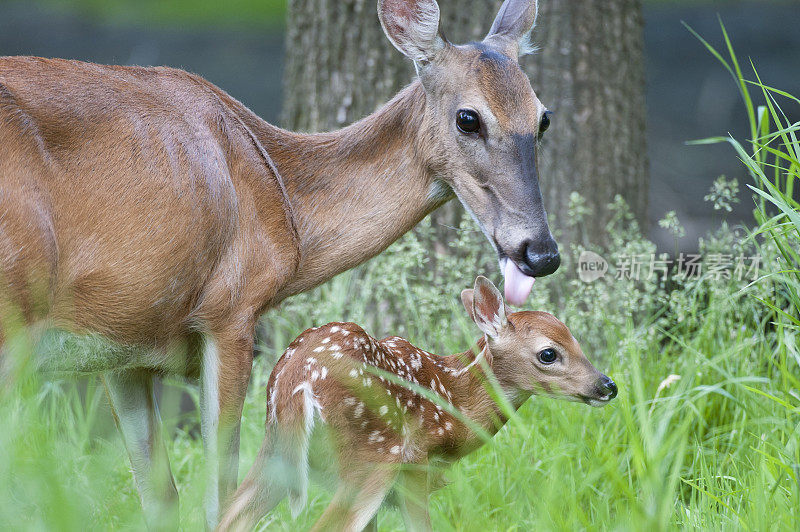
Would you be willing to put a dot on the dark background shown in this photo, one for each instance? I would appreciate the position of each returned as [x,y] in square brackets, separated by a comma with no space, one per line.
[239,45]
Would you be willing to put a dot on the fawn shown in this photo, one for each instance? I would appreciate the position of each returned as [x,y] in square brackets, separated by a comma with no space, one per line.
[391,408]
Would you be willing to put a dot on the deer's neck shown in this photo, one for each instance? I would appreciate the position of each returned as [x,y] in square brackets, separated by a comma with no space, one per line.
[355,191]
[474,390]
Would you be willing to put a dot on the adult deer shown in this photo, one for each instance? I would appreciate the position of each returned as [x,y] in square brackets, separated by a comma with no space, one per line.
[147,218]
[392,408]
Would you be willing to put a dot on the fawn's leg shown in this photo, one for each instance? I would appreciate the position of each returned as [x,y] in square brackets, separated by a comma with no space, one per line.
[275,474]
[372,526]
[136,413]
[413,495]
[357,499]
[226,366]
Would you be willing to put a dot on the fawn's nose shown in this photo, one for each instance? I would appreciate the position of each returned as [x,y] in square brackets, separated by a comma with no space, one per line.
[606,386]
[540,257]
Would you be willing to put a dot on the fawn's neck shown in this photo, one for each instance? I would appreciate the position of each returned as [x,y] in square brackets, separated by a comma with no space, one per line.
[355,191]
[475,391]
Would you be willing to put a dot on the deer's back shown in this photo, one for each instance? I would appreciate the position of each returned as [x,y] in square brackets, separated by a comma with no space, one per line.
[128,189]
[367,390]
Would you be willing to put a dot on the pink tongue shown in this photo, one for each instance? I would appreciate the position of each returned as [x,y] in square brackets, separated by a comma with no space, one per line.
[518,285]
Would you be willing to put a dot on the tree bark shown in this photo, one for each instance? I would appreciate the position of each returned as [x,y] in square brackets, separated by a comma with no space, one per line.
[589,71]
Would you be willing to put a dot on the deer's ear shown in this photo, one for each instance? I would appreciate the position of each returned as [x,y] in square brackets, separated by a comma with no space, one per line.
[488,308]
[412,26]
[512,26]
[466,300]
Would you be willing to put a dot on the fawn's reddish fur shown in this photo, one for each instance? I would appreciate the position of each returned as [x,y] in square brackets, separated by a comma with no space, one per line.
[373,395]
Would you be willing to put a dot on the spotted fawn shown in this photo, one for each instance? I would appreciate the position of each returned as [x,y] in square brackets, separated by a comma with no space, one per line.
[392,408]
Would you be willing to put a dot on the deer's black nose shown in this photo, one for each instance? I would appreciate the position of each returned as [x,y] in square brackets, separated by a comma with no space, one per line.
[606,386]
[540,257]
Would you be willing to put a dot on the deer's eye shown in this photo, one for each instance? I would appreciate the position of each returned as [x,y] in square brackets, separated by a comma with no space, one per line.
[547,356]
[468,121]
[545,123]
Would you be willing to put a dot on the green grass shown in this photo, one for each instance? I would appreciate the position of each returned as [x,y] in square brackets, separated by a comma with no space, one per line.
[772,158]
[713,450]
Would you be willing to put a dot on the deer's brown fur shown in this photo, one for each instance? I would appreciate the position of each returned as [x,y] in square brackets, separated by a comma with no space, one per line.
[147,218]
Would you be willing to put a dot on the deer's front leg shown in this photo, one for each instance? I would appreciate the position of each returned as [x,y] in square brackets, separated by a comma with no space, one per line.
[413,494]
[227,363]
[136,413]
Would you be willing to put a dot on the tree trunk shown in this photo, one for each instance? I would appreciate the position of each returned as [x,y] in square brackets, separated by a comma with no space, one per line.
[589,71]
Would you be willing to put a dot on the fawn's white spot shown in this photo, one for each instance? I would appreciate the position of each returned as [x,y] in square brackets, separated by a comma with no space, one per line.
[395,449]
[326,340]
[383,410]
[273,408]
[353,373]
[318,349]
[334,329]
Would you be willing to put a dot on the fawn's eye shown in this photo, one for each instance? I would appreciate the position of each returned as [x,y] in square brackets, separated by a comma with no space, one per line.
[545,123]
[468,121]
[547,356]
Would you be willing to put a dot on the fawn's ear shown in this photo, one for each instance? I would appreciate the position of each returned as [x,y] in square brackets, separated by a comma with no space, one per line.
[488,308]
[466,300]
[512,26]
[412,26]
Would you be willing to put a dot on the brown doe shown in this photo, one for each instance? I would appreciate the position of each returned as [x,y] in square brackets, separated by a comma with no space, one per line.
[147,218]
[367,393]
